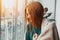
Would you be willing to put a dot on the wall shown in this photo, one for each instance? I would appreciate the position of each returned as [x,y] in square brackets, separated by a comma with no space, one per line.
[58,15]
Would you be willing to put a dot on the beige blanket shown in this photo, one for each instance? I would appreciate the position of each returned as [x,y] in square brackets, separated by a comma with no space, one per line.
[48,31]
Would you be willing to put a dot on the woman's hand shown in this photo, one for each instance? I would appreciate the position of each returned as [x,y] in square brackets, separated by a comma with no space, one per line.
[35,36]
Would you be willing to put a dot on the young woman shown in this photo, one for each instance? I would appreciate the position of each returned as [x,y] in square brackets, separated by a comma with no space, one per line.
[38,28]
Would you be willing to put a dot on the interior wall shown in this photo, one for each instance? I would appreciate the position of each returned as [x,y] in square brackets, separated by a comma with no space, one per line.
[58,15]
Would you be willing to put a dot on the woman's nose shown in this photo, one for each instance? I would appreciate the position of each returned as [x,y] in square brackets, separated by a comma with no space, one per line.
[28,16]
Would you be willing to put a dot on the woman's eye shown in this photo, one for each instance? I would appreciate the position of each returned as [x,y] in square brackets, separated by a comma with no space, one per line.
[28,16]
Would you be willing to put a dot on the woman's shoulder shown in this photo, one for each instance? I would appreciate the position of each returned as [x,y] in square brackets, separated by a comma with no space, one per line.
[48,21]
[48,30]
[47,24]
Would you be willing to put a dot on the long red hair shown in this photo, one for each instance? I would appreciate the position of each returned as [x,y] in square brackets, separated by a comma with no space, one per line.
[36,11]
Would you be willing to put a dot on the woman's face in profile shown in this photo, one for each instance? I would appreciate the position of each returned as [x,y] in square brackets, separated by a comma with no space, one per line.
[28,16]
